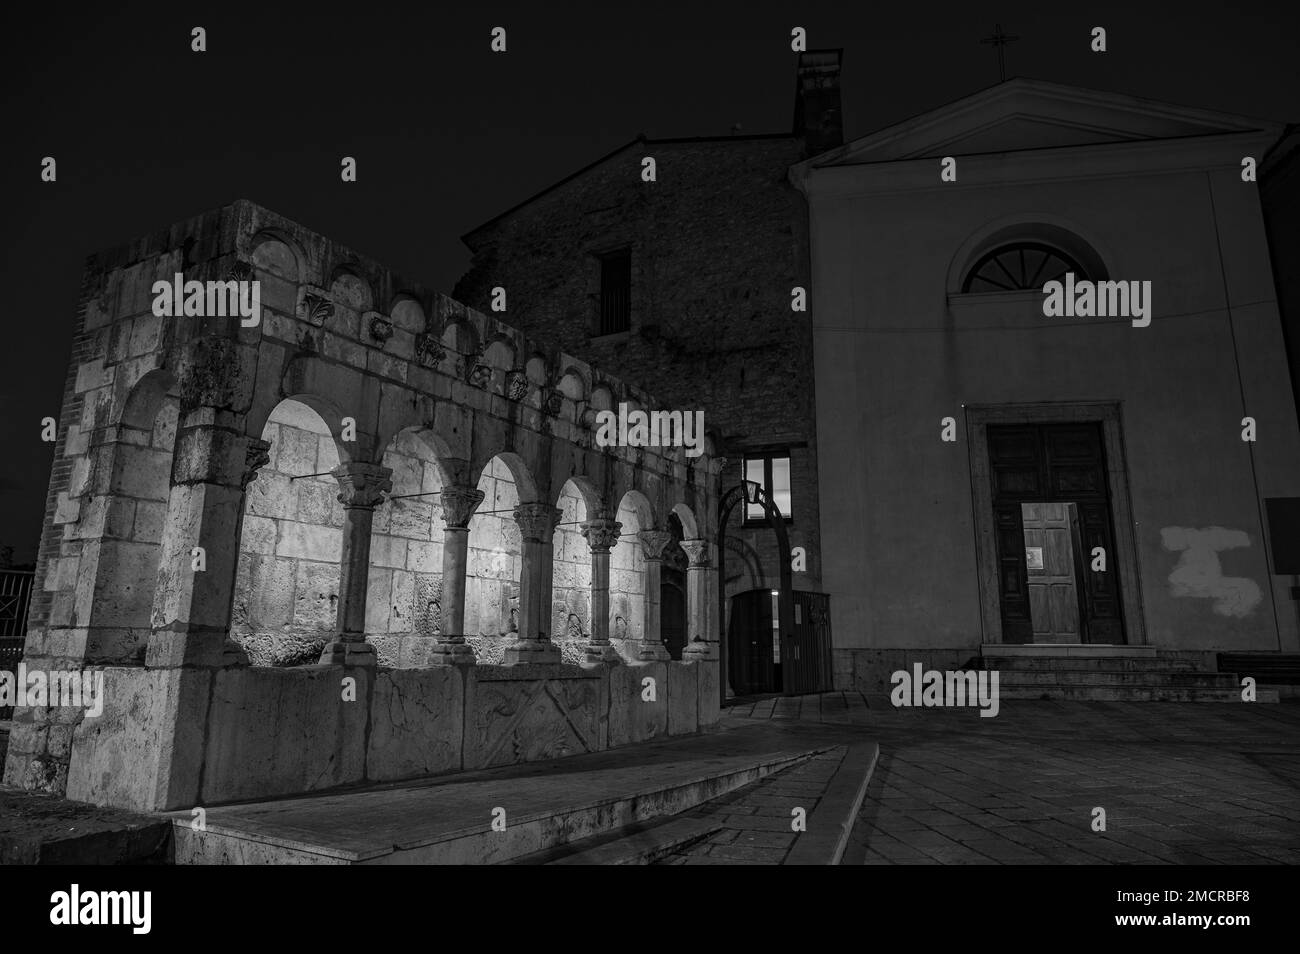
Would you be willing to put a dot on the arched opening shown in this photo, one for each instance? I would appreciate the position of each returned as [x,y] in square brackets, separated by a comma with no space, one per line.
[672,591]
[119,622]
[571,577]
[287,579]
[627,576]
[404,586]
[493,565]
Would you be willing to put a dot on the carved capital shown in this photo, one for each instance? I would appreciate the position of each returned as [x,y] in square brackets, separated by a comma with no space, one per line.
[256,454]
[459,504]
[537,521]
[362,486]
[697,552]
[602,534]
[316,305]
[653,543]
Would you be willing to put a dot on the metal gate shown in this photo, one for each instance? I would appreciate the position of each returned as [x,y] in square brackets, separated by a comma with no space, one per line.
[15,596]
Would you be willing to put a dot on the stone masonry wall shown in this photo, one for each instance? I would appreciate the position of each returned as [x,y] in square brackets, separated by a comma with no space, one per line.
[717,244]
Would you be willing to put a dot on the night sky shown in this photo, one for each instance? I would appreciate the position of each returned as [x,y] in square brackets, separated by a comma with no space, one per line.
[447,134]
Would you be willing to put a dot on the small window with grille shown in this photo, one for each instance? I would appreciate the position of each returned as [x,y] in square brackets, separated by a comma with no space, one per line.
[615,292]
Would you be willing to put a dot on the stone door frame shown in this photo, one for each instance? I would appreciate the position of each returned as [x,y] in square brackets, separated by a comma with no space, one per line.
[1106,413]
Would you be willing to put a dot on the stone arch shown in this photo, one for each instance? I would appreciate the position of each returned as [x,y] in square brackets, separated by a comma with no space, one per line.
[572,384]
[494,562]
[408,314]
[351,290]
[627,576]
[602,398]
[570,601]
[686,516]
[404,585]
[120,611]
[287,576]
[460,337]
[277,255]
[535,368]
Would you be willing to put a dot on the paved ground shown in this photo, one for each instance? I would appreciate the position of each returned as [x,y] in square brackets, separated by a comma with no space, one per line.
[1180,783]
[757,820]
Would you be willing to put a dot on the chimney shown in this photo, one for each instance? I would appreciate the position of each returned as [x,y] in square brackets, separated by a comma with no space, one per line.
[817,100]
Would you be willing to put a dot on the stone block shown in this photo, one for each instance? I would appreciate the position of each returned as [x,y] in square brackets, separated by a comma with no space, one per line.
[66,510]
[388,551]
[424,557]
[530,712]
[416,723]
[710,704]
[297,452]
[146,335]
[124,587]
[402,603]
[145,750]
[258,535]
[264,590]
[92,375]
[631,717]
[379,589]
[316,595]
[280,731]
[683,698]
[317,500]
[309,542]
[119,518]
[271,495]
[411,518]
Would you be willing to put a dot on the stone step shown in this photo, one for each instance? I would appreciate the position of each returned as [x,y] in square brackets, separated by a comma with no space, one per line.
[1123,677]
[822,843]
[1149,693]
[448,819]
[37,828]
[1085,664]
[1081,650]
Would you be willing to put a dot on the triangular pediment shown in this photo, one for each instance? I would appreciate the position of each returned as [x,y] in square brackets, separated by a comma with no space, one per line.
[1024,114]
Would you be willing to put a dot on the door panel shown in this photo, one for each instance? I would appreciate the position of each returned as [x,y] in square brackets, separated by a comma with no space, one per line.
[749,642]
[1061,467]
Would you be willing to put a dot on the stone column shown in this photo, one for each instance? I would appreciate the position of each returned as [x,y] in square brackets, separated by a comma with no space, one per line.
[458,505]
[536,528]
[697,599]
[362,488]
[653,543]
[602,535]
[213,463]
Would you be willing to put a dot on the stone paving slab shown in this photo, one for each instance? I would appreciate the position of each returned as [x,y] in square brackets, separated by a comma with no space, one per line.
[1181,783]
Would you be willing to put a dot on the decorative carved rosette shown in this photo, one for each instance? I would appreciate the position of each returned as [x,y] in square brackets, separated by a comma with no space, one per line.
[537,521]
[429,349]
[362,486]
[516,385]
[458,505]
[240,271]
[602,534]
[381,329]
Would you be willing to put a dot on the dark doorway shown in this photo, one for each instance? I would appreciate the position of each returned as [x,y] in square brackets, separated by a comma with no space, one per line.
[672,610]
[1052,510]
[753,654]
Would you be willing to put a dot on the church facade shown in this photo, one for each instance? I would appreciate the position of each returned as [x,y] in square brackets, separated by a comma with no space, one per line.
[1009,472]
[991,467]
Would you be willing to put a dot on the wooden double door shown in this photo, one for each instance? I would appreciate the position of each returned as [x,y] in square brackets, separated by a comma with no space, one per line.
[1052,511]
[761,659]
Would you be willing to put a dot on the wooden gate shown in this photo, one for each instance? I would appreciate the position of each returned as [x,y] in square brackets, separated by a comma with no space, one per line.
[806,658]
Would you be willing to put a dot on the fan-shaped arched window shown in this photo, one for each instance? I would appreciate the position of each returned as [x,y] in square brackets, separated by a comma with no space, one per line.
[1020,266]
